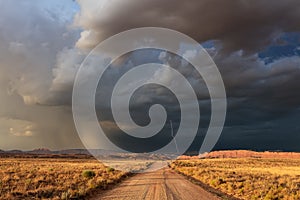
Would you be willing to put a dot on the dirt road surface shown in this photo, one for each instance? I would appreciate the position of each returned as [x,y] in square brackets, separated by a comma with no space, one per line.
[161,185]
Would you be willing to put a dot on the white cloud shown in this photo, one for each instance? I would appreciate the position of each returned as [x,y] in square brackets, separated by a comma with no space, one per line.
[17,127]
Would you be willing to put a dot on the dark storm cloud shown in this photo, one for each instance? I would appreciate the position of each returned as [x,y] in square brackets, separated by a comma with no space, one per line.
[274,84]
[239,24]
[265,90]
[257,91]
[40,53]
[236,24]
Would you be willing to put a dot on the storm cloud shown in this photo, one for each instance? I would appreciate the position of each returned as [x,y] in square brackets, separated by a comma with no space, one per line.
[247,25]
[31,36]
[43,44]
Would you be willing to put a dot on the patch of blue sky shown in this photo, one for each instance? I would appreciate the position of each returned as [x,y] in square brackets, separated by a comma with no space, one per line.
[288,45]
[208,44]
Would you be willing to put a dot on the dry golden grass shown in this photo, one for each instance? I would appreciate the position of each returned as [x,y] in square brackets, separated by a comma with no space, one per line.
[35,178]
[247,178]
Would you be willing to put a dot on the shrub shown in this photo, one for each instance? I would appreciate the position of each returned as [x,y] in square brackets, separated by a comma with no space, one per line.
[110,169]
[88,174]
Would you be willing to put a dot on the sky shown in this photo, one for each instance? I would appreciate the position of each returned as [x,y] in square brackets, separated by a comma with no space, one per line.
[255,44]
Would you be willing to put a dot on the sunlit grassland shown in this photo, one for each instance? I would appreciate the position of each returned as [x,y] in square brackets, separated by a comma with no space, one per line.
[34,178]
[246,178]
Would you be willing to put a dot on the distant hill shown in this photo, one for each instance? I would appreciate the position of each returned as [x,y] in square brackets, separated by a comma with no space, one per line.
[73,151]
[104,154]
[40,151]
[14,151]
[249,154]
[44,151]
[81,153]
[243,154]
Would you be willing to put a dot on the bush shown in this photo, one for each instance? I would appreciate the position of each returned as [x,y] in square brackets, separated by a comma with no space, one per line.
[88,174]
[110,169]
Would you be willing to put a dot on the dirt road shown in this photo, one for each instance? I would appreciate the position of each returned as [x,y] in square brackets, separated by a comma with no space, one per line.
[162,184]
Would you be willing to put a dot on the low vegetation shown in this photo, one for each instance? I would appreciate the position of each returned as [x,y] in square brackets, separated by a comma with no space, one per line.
[37,178]
[246,178]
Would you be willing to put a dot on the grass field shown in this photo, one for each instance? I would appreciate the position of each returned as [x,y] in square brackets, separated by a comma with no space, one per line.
[247,178]
[66,178]
[36,178]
